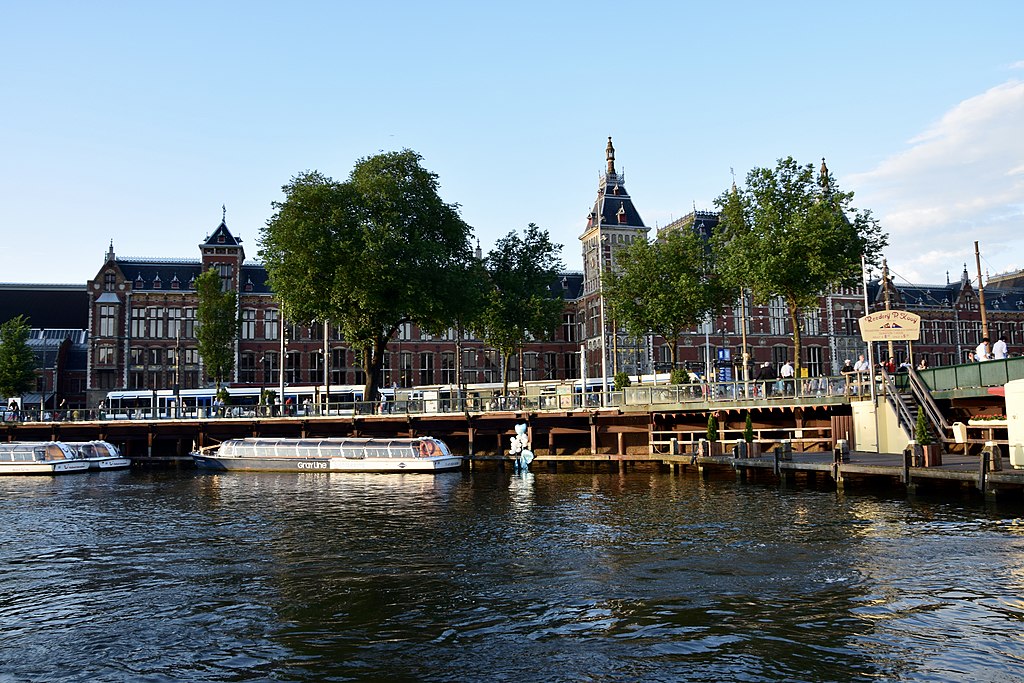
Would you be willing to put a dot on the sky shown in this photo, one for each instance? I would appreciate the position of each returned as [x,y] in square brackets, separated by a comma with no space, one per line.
[136,122]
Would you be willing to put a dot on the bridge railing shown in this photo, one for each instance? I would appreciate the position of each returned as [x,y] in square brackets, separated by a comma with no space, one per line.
[990,373]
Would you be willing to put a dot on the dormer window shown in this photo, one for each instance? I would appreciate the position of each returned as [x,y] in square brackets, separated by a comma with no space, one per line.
[139,282]
[220,238]
[192,283]
[621,213]
[157,284]
[175,282]
[248,285]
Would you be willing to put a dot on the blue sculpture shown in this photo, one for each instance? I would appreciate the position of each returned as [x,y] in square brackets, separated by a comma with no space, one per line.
[520,448]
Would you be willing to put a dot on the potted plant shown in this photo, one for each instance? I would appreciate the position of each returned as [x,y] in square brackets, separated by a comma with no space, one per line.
[712,434]
[753,450]
[931,452]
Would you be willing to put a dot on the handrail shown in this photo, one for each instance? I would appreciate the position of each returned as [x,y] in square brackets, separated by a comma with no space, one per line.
[895,399]
[924,399]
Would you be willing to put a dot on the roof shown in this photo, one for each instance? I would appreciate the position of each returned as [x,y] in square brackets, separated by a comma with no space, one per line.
[221,237]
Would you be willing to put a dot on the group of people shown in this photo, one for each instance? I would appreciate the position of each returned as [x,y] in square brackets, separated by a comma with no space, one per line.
[781,380]
[998,351]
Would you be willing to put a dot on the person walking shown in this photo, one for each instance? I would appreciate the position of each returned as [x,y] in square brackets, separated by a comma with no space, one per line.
[981,353]
[999,350]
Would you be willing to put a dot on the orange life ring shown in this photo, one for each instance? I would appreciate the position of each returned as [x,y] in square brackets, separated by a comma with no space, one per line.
[427,448]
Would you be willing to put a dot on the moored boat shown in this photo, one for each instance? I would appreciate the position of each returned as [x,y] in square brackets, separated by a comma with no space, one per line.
[101,455]
[423,454]
[39,457]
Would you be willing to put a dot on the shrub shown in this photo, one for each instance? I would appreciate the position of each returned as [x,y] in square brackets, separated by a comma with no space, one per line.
[921,433]
[679,376]
[621,380]
[748,430]
[712,428]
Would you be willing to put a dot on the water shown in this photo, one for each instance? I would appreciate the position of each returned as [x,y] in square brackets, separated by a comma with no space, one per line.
[181,576]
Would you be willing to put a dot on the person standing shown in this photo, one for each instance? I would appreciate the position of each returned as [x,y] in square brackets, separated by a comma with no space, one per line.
[999,350]
[786,375]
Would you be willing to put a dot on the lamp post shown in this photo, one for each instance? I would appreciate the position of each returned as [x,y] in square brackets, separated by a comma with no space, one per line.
[600,299]
[284,347]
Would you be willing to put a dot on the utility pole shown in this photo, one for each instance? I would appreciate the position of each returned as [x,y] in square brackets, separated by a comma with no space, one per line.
[885,286]
[981,303]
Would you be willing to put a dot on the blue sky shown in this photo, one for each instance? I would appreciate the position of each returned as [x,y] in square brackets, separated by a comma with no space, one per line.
[135,122]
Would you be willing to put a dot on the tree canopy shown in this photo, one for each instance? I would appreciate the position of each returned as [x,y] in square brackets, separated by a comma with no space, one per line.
[217,325]
[792,235]
[17,362]
[369,254]
[664,287]
[520,305]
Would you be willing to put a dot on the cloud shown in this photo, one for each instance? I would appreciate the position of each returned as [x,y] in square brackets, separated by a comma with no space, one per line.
[959,181]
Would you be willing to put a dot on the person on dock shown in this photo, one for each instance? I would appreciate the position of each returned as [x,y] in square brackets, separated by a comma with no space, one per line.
[766,374]
[786,375]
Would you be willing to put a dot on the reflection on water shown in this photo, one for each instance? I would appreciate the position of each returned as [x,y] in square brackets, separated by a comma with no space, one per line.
[169,576]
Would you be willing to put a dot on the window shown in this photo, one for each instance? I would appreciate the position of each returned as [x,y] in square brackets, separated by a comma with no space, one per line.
[247,367]
[815,367]
[137,380]
[105,355]
[248,328]
[571,363]
[191,356]
[271,324]
[108,321]
[426,367]
[226,271]
[109,281]
[156,356]
[188,326]
[316,367]
[138,325]
[270,367]
[777,313]
[741,306]
[550,365]
[137,356]
[293,365]
[530,363]
[405,332]
[448,367]
[339,366]
[569,326]
[405,368]
[812,322]
[155,319]
[173,323]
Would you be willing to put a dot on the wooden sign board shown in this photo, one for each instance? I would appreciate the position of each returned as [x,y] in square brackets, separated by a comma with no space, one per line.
[890,326]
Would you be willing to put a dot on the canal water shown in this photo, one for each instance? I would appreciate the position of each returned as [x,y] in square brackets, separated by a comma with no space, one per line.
[184,576]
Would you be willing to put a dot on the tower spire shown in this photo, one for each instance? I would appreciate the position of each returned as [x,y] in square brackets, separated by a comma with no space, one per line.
[610,154]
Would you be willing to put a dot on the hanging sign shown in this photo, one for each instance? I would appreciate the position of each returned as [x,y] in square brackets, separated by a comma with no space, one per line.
[890,326]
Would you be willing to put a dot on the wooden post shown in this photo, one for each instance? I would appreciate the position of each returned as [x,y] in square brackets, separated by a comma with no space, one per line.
[593,437]
[621,443]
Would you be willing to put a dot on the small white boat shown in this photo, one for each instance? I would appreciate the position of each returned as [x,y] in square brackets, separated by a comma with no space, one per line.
[423,454]
[39,457]
[101,455]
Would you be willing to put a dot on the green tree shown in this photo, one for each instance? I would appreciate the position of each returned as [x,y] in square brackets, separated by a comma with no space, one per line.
[369,254]
[712,428]
[17,362]
[748,430]
[793,235]
[520,305]
[217,326]
[665,286]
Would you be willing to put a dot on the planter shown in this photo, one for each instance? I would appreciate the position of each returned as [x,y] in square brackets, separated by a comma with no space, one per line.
[994,424]
[932,455]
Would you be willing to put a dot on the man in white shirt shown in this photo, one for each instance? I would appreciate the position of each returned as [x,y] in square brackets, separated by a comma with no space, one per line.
[981,353]
[999,351]
[861,365]
[786,375]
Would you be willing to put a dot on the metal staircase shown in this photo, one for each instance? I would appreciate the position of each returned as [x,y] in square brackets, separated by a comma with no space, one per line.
[908,395]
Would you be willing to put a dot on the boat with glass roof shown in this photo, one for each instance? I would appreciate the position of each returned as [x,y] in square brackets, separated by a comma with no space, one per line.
[39,457]
[421,454]
[101,455]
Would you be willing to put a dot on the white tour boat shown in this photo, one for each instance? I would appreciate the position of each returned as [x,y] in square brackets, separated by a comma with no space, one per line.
[423,454]
[101,455]
[39,457]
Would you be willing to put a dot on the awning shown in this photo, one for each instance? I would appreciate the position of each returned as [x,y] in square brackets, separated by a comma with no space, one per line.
[33,400]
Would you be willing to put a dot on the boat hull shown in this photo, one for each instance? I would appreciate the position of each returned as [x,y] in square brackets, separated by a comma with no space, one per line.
[105,464]
[411,464]
[45,467]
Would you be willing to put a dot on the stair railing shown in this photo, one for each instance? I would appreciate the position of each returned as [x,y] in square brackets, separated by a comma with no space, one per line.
[903,416]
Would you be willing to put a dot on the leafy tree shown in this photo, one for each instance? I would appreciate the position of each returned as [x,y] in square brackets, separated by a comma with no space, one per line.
[519,305]
[622,380]
[921,433]
[369,254]
[217,328]
[664,286]
[17,362]
[748,430]
[712,428]
[792,235]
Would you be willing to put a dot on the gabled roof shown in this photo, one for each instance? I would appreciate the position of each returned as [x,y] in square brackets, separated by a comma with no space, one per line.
[613,206]
[221,237]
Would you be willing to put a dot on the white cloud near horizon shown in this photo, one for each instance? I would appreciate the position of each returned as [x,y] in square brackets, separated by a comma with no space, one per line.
[959,181]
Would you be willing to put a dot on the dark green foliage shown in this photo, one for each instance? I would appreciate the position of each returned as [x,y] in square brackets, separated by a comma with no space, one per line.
[217,326]
[665,287]
[792,235]
[369,254]
[519,305]
[679,376]
[748,430]
[17,362]
[921,433]
[622,380]
[712,428]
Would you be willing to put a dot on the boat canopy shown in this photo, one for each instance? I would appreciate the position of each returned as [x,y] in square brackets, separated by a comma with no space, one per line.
[15,451]
[331,448]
